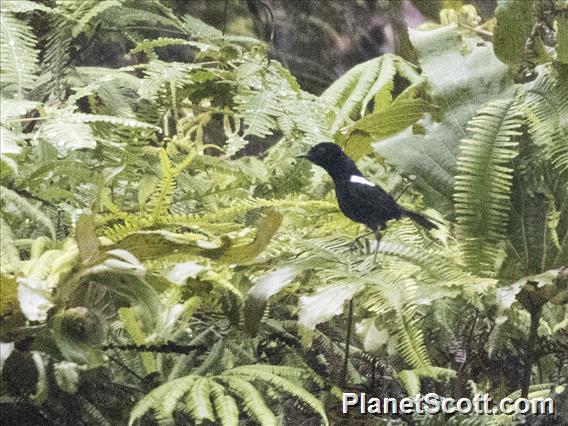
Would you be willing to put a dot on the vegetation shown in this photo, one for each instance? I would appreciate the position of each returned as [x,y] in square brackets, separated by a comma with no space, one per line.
[166,259]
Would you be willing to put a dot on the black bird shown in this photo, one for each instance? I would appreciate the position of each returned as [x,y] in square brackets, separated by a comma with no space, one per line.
[359,199]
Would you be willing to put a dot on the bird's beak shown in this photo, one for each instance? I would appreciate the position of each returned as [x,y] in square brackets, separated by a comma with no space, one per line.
[301,156]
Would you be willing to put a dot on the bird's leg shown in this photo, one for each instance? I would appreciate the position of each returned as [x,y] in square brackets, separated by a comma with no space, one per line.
[355,242]
[377,233]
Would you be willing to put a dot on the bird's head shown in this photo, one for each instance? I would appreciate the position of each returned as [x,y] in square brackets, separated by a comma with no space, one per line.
[327,155]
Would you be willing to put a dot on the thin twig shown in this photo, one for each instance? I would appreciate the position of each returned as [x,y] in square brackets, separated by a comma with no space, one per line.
[530,352]
[225,17]
[347,343]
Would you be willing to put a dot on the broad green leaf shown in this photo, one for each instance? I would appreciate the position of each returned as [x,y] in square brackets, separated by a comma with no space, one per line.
[380,124]
[182,271]
[533,292]
[147,245]
[450,62]
[373,339]
[34,298]
[87,239]
[326,303]
[350,96]
[11,109]
[5,351]
[272,283]
[515,21]
[264,288]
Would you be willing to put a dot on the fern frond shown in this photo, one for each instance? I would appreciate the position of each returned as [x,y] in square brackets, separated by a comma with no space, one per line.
[396,295]
[27,208]
[259,110]
[225,405]
[89,11]
[484,180]
[546,109]
[161,200]
[252,399]
[254,373]
[18,57]
[352,93]
[57,54]
[23,6]
[66,136]
[9,257]
[163,399]
[198,401]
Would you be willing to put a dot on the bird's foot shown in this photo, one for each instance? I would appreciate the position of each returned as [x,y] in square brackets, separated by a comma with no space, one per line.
[360,243]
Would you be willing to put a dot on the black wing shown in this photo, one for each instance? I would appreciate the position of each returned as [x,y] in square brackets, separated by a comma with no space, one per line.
[367,204]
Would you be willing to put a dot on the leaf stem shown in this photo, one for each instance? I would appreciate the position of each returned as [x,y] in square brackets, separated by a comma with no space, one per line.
[530,354]
[347,343]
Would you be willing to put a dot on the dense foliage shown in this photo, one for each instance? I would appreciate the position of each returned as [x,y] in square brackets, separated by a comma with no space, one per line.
[153,270]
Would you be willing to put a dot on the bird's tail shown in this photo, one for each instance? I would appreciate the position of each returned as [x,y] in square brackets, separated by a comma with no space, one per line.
[419,219]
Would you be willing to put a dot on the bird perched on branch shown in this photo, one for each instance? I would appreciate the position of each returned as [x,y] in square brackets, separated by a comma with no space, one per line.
[359,199]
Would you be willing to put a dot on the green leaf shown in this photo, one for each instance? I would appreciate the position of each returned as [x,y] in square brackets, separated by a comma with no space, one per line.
[87,239]
[25,207]
[326,303]
[182,271]
[18,57]
[515,21]
[373,339]
[130,322]
[23,6]
[562,39]
[13,108]
[410,380]
[252,399]
[198,401]
[8,296]
[484,182]
[459,86]
[380,124]
[225,406]
[147,245]
[264,288]
[9,253]
[352,93]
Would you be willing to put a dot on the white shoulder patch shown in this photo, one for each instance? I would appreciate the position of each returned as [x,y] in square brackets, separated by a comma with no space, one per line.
[361,180]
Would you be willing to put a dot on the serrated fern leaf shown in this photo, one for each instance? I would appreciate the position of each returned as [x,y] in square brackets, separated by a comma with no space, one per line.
[66,136]
[18,56]
[27,208]
[484,180]
[283,385]
[259,110]
[198,401]
[162,197]
[252,399]
[352,93]
[163,399]
[396,295]
[225,405]
[546,109]
[9,256]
